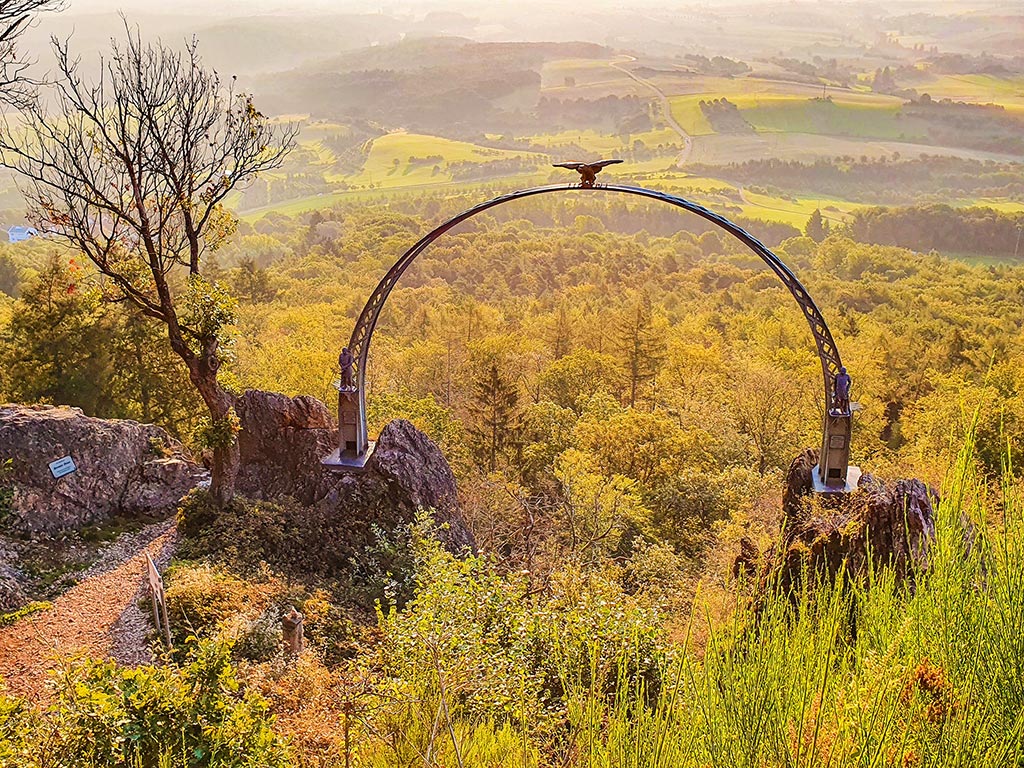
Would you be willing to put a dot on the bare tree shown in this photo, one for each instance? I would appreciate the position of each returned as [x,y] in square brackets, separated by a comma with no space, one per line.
[132,170]
[15,16]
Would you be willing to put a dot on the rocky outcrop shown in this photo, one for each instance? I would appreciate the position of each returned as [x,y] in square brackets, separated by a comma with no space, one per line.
[12,590]
[281,445]
[892,523]
[123,468]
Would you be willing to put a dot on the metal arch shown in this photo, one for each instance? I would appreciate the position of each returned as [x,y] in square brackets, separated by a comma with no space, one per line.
[359,344]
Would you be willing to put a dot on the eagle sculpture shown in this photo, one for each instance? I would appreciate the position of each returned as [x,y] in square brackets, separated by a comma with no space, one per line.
[588,171]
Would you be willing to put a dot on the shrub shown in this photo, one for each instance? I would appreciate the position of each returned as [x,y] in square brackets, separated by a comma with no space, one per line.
[368,561]
[193,716]
[201,597]
[477,642]
[208,601]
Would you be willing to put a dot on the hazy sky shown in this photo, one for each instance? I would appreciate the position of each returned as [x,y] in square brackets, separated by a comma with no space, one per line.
[250,7]
[482,7]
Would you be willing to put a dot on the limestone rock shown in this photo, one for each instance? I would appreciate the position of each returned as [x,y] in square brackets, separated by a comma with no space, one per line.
[893,522]
[124,468]
[283,440]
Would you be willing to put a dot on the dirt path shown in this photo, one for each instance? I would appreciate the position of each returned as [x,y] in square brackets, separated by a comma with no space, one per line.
[99,616]
[666,109]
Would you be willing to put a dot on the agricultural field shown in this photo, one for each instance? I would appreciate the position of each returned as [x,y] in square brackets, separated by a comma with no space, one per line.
[770,115]
[978,89]
[586,78]
[407,159]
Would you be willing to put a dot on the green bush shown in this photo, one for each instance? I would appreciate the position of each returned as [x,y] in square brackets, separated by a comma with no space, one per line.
[201,597]
[474,641]
[367,561]
[259,638]
[105,716]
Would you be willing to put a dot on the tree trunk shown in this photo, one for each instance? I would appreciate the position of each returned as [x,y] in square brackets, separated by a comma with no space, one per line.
[226,459]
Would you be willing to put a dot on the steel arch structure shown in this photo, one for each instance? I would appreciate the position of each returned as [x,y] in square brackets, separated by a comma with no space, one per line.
[833,469]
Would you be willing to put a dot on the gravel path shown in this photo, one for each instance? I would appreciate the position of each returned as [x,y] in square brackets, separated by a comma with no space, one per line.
[99,616]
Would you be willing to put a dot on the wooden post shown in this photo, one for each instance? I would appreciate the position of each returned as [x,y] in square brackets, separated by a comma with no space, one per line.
[292,632]
[156,595]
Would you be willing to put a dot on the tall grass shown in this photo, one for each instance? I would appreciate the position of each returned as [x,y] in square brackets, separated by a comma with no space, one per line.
[862,672]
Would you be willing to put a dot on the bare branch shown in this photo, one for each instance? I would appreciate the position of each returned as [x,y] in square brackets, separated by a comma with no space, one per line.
[133,168]
[15,17]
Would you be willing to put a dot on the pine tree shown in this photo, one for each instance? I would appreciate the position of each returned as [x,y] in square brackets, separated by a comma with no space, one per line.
[65,346]
[643,348]
[559,336]
[816,228]
[55,348]
[495,411]
[883,81]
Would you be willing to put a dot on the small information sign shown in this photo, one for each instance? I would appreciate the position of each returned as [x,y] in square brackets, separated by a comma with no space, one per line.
[62,467]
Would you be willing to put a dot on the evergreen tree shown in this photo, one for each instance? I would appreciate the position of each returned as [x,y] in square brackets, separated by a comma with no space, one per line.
[560,334]
[10,275]
[641,344]
[54,350]
[251,282]
[64,346]
[495,411]
[816,228]
[883,81]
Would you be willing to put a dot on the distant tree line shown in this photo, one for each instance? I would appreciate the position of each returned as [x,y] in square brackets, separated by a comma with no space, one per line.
[980,64]
[987,127]
[880,180]
[940,228]
[619,114]
[720,66]
[471,170]
[816,69]
[724,116]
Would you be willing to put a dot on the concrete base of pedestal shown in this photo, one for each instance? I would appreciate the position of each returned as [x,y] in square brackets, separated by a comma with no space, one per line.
[852,478]
[346,461]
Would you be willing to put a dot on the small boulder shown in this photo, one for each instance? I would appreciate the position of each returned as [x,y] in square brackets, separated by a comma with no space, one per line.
[123,468]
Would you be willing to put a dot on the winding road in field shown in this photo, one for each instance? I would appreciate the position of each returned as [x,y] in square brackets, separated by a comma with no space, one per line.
[666,108]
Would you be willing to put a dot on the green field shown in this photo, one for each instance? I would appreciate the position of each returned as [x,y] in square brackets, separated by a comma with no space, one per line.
[981,89]
[398,159]
[686,111]
[867,119]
